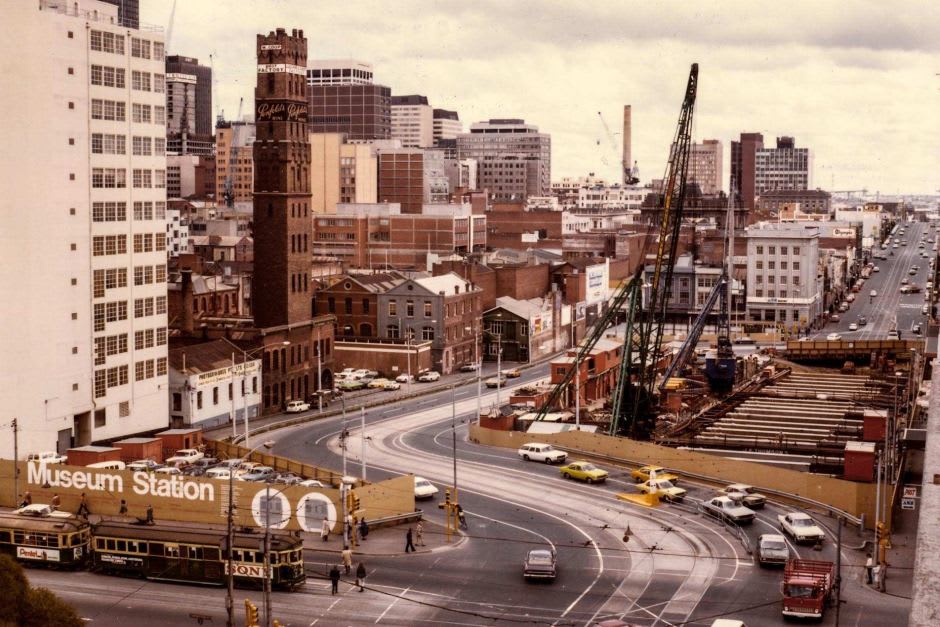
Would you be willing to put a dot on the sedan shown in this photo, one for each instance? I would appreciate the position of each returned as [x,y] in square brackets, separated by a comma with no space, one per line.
[643,474]
[404,378]
[664,488]
[512,373]
[853,326]
[873,293]
[584,471]
[493,382]
[540,564]
[350,384]
[876,269]
[391,385]
[469,367]
[429,376]
[835,317]
[772,550]
[726,510]
[424,489]
[801,527]
[146,465]
[746,495]
[258,473]
[835,337]
[378,384]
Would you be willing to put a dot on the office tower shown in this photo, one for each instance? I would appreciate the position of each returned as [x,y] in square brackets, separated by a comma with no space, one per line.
[188,107]
[412,121]
[340,172]
[83,353]
[759,169]
[128,12]
[234,162]
[282,291]
[705,166]
[447,125]
[743,167]
[343,99]
[514,160]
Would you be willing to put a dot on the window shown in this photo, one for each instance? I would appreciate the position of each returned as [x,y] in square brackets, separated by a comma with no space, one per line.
[159,83]
[107,76]
[331,305]
[428,308]
[159,145]
[143,179]
[392,309]
[109,212]
[365,305]
[107,110]
[107,144]
[161,304]
[161,336]
[796,264]
[100,383]
[410,309]
[427,333]
[348,306]
[772,250]
[783,250]
[158,51]
[141,113]
[140,48]
[759,264]
[796,280]
[796,250]
[760,250]
[108,177]
[159,114]
[106,42]
[771,265]
[215,395]
[391,331]
[140,81]
[142,146]
[783,265]
[159,179]
[759,293]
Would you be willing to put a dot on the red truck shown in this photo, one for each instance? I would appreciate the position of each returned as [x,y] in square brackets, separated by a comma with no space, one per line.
[807,587]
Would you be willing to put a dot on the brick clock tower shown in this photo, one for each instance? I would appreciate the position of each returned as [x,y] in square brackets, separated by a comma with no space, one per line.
[282,292]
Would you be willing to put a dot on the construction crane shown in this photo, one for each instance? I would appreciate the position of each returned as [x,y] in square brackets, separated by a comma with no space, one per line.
[630,176]
[632,399]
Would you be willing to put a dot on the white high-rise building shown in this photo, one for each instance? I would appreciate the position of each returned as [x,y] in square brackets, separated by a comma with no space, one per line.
[447,125]
[413,121]
[705,163]
[83,326]
[338,72]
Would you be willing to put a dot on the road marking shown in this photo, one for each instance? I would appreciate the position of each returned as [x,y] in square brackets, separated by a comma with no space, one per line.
[390,605]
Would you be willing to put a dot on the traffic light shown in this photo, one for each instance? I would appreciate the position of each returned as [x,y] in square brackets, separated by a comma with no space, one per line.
[355,502]
[446,503]
[251,614]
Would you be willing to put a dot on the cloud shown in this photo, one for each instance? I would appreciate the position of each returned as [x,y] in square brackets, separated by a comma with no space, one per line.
[854,81]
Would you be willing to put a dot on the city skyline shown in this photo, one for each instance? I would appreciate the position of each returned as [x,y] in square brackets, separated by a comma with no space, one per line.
[525,62]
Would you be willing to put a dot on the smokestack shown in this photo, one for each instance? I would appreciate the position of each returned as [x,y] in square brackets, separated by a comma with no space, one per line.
[627,151]
[186,289]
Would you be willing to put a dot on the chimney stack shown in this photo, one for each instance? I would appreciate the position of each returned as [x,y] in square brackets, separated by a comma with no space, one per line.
[627,147]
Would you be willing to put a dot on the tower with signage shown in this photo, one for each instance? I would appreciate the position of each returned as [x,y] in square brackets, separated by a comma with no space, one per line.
[283,230]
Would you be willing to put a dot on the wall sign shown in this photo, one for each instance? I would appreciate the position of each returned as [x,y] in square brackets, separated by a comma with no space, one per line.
[281,112]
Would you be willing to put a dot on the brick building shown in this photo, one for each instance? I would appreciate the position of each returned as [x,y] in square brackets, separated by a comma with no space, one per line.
[401,178]
[508,225]
[353,300]
[520,282]
[444,310]
[343,99]
[598,372]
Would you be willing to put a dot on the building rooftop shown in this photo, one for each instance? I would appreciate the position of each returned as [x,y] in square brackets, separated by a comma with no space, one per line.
[379,282]
[444,114]
[206,357]
[413,99]
[450,283]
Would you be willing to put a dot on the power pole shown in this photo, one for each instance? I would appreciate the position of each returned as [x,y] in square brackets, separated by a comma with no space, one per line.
[362,429]
[16,464]
[453,430]
[838,582]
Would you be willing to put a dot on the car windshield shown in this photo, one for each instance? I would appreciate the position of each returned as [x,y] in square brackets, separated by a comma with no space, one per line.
[796,591]
[588,467]
[774,545]
[540,558]
[547,449]
[422,484]
[664,485]
[801,522]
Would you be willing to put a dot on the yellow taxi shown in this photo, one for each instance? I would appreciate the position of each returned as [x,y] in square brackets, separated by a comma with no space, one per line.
[583,471]
[666,490]
[643,474]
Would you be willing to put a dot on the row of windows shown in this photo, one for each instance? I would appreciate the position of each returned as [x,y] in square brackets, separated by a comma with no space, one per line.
[145,114]
[107,144]
[108,211]
[144,307]
[144,179]
[102,245]
[108,110]
[177,398]
[772,250]
[108,177]
[145,81]
[148,338]
[147,210]
[772,279]
[759,293]
[148,275]
[109,378]
[110,278]
[109,312]
[772,265]
[110,345]
[149,242]
[102,41]
[145,369]
[106,76]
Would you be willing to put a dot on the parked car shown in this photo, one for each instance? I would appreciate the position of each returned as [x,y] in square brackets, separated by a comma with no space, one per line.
[497,381]
[512,373]
[47,457]
[429,376]
[199,467]
[378,384]
[541,453]
[853,326]
[349,385]
[404,378]
[801,527]
[296,407]
[746,494]
[584,471]
[540,564]
[143,465]
[725,509]
[469,367]
[772,550]
[424,489]
[365,373]
[643,474]
[665,488]
[313,483]
[391,385]
[876,269]
[258,473]
[168,470]
[218,473]
[835,318]
[184,457]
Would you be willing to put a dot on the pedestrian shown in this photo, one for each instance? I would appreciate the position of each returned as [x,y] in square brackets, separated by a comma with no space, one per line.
[869,566]
[360,575]
[347,559]
[461,519]
[83,507]
[27,499]
[149,520]
[409,545]
[325,530]
[363,529]
[354,530]
[334,578]
[419,533]
[56,501]
[123,510]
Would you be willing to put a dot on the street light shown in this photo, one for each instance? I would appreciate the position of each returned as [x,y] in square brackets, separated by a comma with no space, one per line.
[229,603]
[245,355]
[479,362]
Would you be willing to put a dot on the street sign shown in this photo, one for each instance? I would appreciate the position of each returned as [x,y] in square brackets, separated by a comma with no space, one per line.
[910,492]
[907,503]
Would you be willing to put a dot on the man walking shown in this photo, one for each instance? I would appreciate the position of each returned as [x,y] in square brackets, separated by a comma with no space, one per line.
[360,575]
[409,545]
[334,578]
[419,533]
[363,529]
[325,530]
[869,566]
[347,559]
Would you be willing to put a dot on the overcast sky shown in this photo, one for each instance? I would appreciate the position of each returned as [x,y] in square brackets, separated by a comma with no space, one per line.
[856,82]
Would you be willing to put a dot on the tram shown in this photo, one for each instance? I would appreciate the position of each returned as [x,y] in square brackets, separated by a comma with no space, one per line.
[37,534]
[191,555]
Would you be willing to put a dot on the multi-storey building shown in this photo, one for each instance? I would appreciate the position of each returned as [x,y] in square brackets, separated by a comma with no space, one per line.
[282,291]
[807,200]
[188,107]
[353,300]
[177,233]
[83,353]
[705,166]
[514,160]
[234,162]
[401,178]
[743,167]
[755,169]
[341,172]
[412,121]
[128,12]
[343,99]
[782,278]
[447,125]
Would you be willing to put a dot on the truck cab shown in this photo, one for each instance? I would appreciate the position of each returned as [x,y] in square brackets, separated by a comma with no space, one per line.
[807,587]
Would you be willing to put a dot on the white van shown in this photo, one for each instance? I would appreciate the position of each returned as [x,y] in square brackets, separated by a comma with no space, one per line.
[113,465]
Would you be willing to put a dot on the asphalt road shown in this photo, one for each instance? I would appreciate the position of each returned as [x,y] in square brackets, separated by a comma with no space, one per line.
[890,305]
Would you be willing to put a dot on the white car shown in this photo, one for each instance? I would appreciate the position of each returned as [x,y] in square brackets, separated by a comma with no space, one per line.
[169,470]
[801,527]
[833,337]
[424,489]
[725,509]
[873,293]
[542,453]
[772,549]
[745,495]
[427,377]
[391,385]
[295,407]
[313,483]
[47,457]
[853,326]
[876,269]
[404,378]
[184,456]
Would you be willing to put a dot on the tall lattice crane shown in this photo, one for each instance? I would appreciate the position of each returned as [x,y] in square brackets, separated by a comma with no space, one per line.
[631,403]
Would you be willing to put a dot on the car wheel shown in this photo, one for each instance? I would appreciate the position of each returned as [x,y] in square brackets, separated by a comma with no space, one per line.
[565,475]
[548,460]
[589,480]
[525,457]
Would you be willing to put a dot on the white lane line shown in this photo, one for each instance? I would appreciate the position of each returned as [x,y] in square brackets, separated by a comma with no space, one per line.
[392,604]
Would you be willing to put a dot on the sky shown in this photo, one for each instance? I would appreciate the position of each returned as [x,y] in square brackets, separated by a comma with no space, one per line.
[855,81]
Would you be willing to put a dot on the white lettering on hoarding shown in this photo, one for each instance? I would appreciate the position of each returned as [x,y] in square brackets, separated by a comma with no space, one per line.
[145,484]
[247,570]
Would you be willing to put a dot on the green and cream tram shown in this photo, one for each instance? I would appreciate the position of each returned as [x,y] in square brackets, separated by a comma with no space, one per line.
[38,535]
[192,555]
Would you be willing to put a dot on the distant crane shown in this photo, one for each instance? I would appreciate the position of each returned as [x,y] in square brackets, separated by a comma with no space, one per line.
[169,28]
[848,192]
[630,176]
